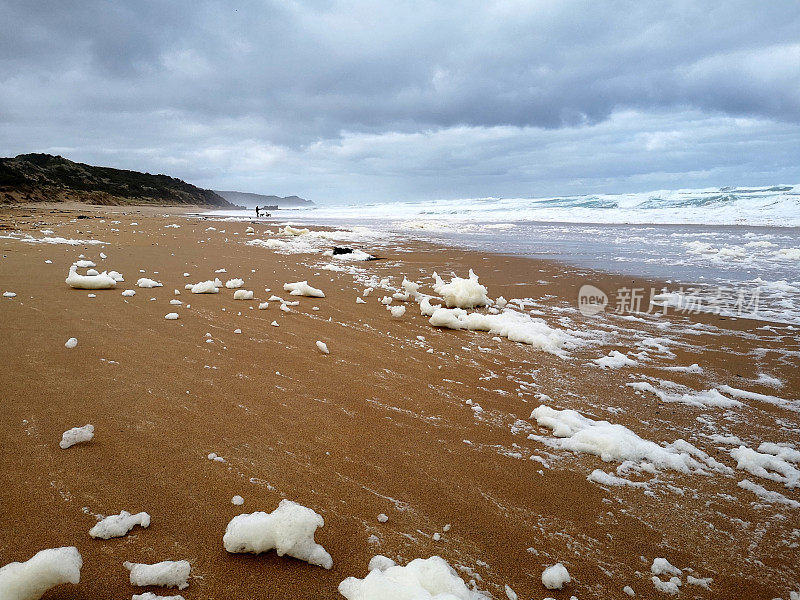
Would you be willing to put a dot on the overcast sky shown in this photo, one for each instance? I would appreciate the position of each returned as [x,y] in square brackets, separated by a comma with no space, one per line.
[394,100]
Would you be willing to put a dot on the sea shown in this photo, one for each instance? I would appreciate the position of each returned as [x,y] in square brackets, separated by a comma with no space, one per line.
[739,245]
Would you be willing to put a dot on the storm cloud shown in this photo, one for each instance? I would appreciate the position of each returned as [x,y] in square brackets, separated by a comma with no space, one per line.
[374,100]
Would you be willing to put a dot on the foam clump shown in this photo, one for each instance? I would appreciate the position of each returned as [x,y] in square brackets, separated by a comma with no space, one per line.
[234,283]
[204,287]
[410,288]
[460,292]
[171,316]
[48,568]
[323,347]
[129,293]
[661,566]
[289,230]
[614,360]
[301,288]
[516,326]
[152,596]
[119,525]
[397,311]
[144,282]
[289,529]
[243,295]
[614,442]
[76,435]
[168,573]
[555,577]
[71,343]
[381,562]
[103,281]
[771,462]
[424,579]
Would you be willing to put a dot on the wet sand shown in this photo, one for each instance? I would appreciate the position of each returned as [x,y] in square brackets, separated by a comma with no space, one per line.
[380,425]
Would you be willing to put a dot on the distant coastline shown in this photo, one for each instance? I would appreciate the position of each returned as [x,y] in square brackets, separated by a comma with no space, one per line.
[250,200]
[48,178]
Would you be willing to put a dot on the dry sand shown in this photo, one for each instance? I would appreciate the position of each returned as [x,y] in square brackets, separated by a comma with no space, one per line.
[380,425]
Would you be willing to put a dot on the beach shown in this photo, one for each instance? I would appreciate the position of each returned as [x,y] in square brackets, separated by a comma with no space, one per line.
[441,430]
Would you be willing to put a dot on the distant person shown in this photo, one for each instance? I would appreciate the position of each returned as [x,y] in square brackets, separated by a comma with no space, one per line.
[257,213]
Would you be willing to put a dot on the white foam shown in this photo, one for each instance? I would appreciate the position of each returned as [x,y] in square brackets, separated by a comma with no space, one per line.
[76,435]
[792,405]
[293,231]
[145,282]
[204,287]
[243,295]
[172,316]
[555,577]
[152,596]
[700,399]
[671,587]
[71,343]
[770,464]
[119,525]
[323,347]
[289,529]
[608,479]
[46,569]
[24,237]
[301,288]
[460,292]
[614,360]
[167,573]
[234,283]
[511,324]
[661,566]
[103,281]
[614,442]
[767,495]
[421,579]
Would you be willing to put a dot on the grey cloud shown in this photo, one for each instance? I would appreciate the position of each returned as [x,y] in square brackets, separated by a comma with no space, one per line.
[138,80]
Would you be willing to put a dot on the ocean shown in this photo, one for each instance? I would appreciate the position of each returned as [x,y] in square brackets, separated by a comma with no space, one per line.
[732,241]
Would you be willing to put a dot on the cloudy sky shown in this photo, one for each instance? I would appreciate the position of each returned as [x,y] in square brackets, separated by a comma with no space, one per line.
[394,100]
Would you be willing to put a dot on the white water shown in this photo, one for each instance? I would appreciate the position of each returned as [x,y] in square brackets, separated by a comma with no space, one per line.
[777,206]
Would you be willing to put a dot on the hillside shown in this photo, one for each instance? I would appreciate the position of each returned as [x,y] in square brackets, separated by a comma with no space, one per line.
[47,178]
[249,199]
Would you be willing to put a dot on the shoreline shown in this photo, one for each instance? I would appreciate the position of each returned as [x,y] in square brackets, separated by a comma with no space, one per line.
[380,425]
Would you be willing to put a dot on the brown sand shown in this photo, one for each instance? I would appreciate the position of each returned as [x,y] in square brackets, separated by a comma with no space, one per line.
[379,425]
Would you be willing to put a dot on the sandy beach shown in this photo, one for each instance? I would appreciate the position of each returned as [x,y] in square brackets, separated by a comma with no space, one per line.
[428,425]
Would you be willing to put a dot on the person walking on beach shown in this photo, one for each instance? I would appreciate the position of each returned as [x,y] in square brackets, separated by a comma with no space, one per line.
[257,215]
